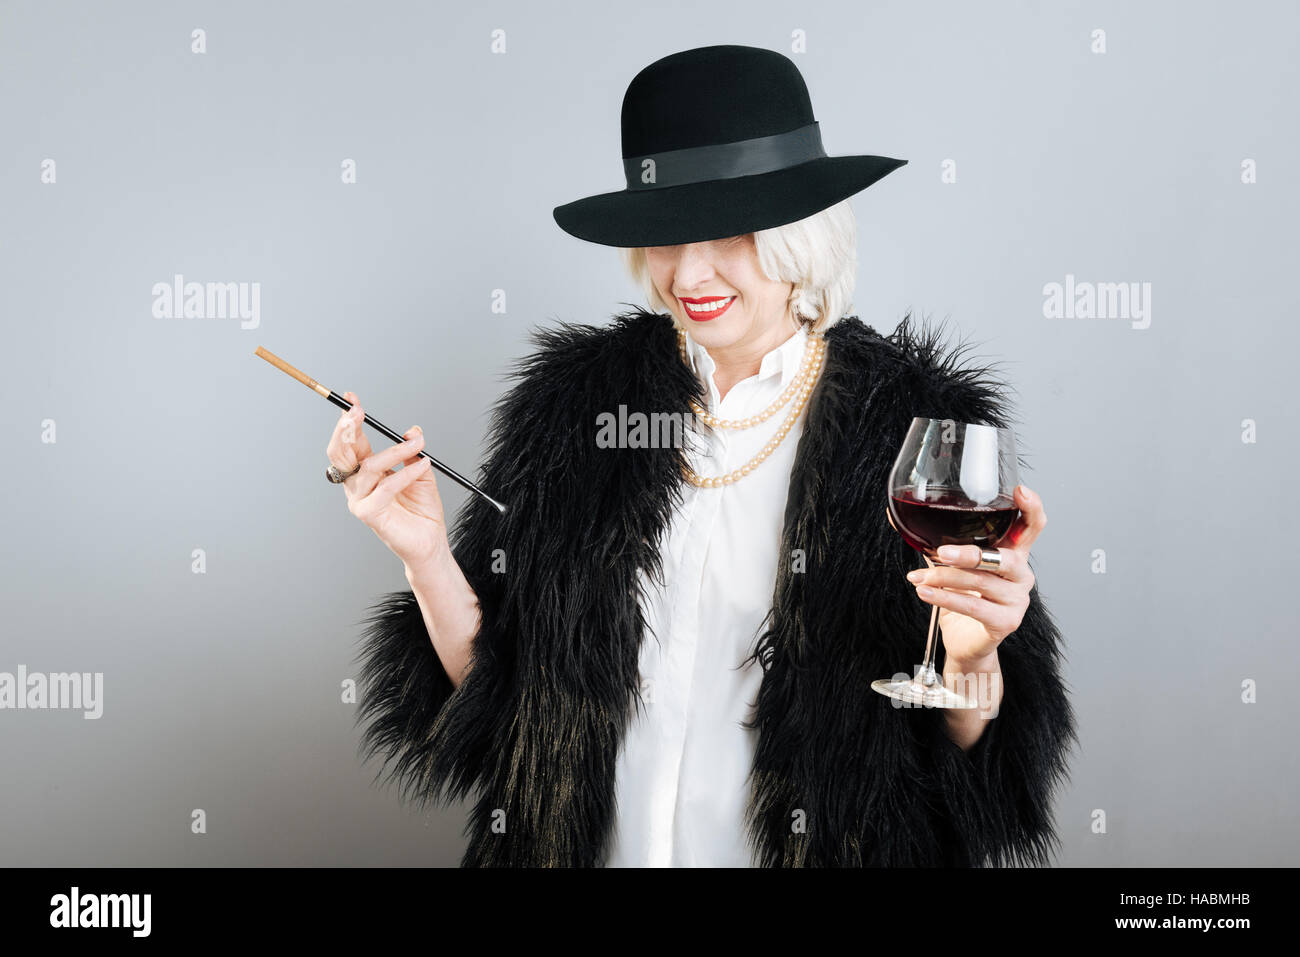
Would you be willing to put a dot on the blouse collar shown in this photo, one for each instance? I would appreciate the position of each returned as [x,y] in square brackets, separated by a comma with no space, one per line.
[783,361]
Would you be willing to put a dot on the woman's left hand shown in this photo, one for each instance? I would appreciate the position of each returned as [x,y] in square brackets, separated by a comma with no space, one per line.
[978,607]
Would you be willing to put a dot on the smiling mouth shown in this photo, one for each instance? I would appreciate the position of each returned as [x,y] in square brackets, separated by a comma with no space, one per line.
[702,310]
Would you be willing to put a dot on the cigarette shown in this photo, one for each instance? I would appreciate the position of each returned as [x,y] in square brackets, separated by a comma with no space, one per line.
[375,424]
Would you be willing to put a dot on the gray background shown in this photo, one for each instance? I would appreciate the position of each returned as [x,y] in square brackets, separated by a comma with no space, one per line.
[222,690]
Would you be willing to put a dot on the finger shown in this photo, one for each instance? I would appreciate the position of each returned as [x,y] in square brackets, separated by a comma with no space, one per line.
[998,619]
[1030,524]
[411,460]
[1014,566]
[423,495]
[340,449]
[391,486]
[355,430]
[402,452]
[375,467]
[992,587]
[348,445]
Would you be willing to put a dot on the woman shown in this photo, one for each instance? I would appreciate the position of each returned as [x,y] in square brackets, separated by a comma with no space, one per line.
[662,653]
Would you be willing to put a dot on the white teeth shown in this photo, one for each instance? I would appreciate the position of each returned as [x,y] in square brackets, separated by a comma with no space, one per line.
[708,306]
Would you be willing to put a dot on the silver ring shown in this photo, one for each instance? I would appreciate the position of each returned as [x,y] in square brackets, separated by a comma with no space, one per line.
[334,475]
[990,559]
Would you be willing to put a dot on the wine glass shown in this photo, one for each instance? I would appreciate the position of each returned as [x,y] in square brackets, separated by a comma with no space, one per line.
[953,483]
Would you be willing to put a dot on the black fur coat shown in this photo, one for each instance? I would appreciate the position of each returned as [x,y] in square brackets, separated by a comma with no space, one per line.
[534,730]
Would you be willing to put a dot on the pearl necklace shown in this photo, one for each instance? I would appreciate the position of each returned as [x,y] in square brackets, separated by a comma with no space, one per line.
[795,385]
[803,384]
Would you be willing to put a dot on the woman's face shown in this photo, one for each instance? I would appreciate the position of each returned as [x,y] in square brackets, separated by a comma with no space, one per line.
[712,273]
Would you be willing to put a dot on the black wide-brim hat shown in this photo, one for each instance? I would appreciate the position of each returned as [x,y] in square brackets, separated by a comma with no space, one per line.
[718,141]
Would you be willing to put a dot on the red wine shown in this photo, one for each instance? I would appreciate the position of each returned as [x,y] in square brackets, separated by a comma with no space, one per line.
[943,516]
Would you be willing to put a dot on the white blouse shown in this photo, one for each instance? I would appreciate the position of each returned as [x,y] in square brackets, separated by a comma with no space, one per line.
[682,775]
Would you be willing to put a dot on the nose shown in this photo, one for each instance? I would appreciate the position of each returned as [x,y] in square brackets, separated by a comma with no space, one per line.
[694,268]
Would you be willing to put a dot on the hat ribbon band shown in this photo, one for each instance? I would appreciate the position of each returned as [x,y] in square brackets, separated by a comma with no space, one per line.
[700,164]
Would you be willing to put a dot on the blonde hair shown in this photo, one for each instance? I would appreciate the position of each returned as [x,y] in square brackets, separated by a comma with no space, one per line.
[817,254]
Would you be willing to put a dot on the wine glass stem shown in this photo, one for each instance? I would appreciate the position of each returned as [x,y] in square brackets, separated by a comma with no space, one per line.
[928,677]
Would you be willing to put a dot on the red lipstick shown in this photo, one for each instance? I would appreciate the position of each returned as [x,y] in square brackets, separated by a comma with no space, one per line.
[705,315]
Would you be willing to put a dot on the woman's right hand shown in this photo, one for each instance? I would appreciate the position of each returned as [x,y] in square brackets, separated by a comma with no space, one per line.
[402,507]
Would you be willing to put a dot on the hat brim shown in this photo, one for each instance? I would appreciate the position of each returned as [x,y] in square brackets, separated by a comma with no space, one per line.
[696,212]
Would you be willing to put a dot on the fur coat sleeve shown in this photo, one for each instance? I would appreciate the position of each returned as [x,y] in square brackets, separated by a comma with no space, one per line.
[538,574]
[998,795]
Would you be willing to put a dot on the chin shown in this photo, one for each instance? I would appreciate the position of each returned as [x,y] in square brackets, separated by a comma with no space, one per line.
[716,332]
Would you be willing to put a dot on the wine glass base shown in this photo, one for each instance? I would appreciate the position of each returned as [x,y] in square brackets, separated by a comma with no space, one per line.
[915,693]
